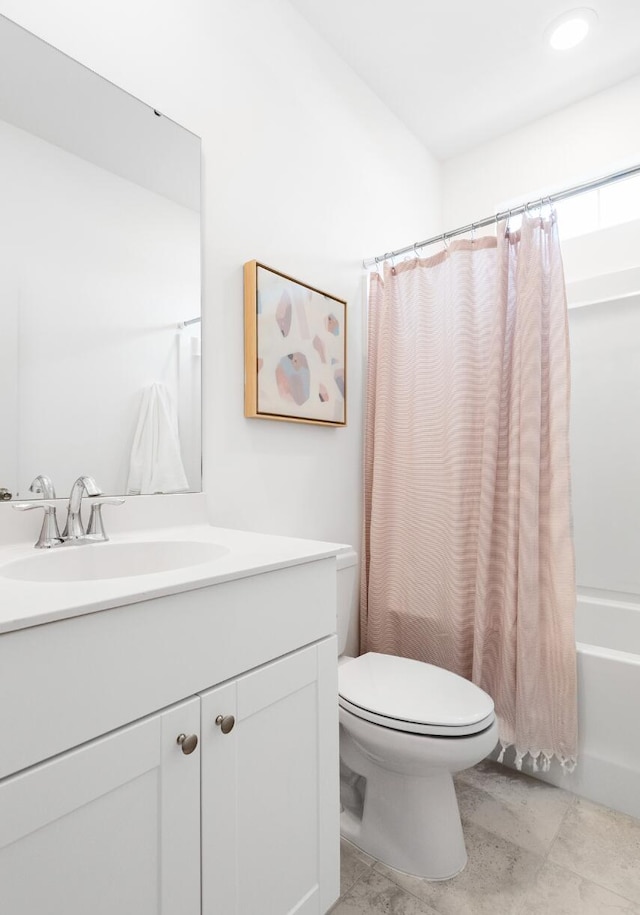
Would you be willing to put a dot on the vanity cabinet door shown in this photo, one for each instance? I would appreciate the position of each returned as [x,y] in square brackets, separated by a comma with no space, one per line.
[270,809]
[110,827]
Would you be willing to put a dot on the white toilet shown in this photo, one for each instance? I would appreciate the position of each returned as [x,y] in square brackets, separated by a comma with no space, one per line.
[405,728]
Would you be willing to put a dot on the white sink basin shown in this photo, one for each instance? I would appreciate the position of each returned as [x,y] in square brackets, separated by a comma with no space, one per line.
[95,561]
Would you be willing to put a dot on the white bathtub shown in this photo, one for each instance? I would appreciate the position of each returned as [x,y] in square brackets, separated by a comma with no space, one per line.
[608,645]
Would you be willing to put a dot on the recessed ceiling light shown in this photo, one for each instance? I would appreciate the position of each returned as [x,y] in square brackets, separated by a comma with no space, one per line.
[571,28]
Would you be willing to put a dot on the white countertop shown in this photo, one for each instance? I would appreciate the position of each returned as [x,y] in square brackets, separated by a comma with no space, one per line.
[27,603]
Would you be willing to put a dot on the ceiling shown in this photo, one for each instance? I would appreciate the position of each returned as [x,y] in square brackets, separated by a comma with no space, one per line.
[463,72]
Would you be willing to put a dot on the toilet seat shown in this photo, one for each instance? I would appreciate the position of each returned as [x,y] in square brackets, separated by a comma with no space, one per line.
[412,696]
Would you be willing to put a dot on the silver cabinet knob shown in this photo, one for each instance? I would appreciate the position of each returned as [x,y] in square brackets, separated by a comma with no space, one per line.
[225,723]
[188,744]
[5,495]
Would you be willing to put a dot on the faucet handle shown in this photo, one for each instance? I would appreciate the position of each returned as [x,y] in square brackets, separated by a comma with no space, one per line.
[50,532]
[95,527]
[35,503]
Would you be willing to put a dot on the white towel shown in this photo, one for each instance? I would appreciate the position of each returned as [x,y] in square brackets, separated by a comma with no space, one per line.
[156,464]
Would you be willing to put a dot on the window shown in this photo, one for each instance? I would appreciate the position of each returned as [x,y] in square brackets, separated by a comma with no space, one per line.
[608,206]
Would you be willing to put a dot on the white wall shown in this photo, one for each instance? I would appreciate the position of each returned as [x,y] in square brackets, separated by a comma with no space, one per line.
[584,141]
[96,304]
[612,253]
[305,170]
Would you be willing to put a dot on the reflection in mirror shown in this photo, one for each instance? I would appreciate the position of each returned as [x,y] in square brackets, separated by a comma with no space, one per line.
[99,271]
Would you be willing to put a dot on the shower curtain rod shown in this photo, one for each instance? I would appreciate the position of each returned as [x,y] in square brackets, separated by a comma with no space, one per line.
[506,214]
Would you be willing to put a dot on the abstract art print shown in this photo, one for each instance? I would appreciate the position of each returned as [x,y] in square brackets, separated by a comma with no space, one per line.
[295,349]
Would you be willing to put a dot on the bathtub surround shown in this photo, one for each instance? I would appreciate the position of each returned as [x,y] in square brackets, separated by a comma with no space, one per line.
[468,560]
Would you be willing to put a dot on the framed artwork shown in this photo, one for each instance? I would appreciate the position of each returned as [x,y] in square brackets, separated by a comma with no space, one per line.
[295,350]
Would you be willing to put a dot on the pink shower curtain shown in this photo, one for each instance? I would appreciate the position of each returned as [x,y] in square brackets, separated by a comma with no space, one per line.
[467,555]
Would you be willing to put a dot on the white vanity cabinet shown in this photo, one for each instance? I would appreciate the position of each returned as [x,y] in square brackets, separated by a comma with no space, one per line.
[269,808]
[110,827]
[102,812]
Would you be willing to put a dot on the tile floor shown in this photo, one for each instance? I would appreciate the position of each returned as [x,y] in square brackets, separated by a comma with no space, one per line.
[533,850]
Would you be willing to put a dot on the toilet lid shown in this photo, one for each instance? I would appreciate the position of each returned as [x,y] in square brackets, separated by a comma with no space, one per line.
[413,696]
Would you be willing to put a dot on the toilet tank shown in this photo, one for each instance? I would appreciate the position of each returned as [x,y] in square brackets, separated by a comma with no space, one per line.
[348,602]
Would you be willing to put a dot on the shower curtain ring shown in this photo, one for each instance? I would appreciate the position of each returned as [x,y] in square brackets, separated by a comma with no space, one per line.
[473,232]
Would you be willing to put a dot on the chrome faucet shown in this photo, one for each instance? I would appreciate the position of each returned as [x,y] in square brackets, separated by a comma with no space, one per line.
[74,528]
[49,532]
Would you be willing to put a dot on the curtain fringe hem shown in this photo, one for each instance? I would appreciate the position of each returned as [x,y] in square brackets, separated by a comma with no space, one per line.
[540,759]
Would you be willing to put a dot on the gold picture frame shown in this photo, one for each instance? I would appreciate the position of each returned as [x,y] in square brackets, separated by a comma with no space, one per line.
[295,346]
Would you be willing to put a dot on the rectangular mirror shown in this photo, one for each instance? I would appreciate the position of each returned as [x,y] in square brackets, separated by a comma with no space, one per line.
[99,281]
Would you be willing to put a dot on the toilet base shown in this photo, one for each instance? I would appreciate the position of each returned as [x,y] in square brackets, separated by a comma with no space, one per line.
[413,825]
[399,801]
